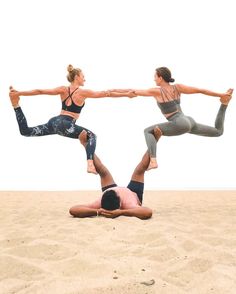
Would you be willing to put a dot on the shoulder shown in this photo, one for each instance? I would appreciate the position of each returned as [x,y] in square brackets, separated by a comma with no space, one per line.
[155,91]
[84,92]
[96,204]
[62,90]
[177,86]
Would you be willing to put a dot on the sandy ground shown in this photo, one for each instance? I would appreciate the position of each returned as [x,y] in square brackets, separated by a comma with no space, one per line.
[188,246]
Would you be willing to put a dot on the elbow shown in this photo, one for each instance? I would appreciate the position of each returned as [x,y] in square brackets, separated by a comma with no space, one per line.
[71,211]
[74,212]
[78,211]
[147,214]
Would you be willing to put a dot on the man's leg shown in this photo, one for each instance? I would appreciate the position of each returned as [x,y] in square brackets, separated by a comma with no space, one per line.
[105,175]
[138,174]
[107,180]
[137,180]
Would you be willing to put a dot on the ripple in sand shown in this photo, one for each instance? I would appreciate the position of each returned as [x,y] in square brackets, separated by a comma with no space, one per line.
[16,269]
[163,254]
[13,242]
[43,251]
[79,266]
[189,245]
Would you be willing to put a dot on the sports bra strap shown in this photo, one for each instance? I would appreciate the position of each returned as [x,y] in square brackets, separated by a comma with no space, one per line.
[70,94]
[177,91]
[162,94]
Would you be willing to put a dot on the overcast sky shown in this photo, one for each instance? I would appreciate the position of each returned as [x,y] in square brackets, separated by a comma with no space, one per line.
[118,44]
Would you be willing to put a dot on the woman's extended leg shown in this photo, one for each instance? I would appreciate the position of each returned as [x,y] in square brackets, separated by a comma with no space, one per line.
[208,131]
[41,130]
[61,125]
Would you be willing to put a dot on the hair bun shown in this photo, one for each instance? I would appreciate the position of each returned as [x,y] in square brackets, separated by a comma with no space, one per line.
[70,68]
[171,80]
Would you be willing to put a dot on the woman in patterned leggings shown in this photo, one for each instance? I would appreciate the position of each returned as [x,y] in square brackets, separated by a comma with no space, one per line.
[73,100]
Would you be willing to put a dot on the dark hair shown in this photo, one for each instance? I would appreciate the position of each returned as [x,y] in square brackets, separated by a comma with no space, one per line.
[110,200]
[165,73]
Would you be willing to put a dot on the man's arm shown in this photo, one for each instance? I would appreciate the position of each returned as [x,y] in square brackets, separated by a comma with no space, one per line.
[139,211]
[83,211]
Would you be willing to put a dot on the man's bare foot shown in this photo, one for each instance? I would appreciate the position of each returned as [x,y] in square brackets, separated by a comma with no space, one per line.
[157,133]
[153,163]
[226,98]
[14,97]
[90,167]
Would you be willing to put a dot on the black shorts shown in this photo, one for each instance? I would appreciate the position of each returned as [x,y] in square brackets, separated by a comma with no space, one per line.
[134,186]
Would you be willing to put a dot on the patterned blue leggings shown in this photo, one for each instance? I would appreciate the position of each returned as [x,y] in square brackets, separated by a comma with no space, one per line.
[62,125]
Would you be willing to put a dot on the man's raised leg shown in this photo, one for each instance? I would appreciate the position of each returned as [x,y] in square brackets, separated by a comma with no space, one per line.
[136,183]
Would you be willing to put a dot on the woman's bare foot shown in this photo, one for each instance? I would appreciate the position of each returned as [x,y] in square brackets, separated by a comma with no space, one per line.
[90,167]
[153,163]
[14,97]
[226,98]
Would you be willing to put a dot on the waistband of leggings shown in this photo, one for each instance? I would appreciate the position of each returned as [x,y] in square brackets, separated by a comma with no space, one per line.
[67,117]
[173,115]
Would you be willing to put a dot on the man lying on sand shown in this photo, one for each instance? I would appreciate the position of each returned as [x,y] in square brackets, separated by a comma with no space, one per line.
[115,200]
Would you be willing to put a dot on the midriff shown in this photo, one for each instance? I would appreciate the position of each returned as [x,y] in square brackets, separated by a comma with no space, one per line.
[71,114]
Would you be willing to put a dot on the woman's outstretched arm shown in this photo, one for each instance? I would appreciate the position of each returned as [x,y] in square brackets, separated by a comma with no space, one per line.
[55,91]
[103,94]
[148,92]
[193,90]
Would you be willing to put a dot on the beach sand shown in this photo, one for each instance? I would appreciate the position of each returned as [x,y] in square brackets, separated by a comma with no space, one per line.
[188,246]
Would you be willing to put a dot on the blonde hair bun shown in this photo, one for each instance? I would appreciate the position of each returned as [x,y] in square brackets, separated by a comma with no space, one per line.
[70,68]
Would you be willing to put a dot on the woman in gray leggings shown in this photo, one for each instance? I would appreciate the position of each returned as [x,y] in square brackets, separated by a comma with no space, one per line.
[168,100]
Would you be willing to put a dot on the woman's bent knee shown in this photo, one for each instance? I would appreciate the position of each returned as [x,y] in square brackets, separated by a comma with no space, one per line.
[83,137]
[25,133]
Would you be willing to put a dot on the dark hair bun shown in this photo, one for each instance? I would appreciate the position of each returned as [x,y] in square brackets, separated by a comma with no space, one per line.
[171,80]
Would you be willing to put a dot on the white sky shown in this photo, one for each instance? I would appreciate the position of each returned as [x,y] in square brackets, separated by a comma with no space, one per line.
[118,44]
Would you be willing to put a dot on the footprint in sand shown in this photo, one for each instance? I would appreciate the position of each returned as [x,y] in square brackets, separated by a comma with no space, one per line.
[184,276]
[163,254]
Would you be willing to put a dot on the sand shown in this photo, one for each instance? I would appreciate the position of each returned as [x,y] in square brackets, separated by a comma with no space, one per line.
[188,246]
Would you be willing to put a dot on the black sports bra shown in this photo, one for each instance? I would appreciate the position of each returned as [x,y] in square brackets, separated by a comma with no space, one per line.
[72,107]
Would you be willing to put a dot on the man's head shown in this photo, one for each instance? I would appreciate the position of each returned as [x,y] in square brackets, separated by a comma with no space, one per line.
[110,200]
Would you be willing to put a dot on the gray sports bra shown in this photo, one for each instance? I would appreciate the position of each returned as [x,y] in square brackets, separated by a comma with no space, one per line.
[169,104]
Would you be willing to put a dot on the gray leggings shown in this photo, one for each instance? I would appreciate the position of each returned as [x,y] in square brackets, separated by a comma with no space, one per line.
[179,124]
